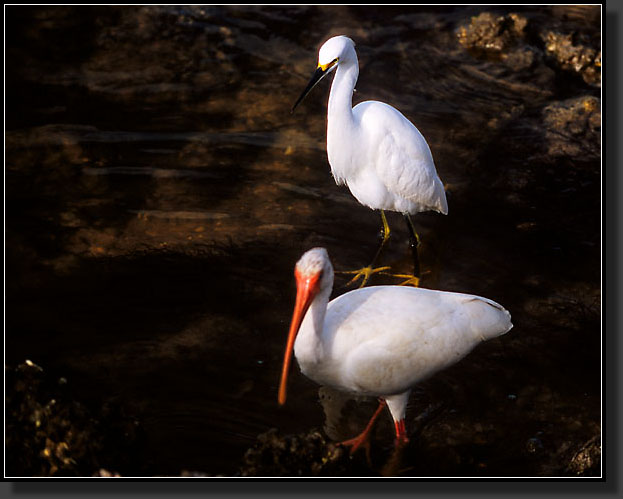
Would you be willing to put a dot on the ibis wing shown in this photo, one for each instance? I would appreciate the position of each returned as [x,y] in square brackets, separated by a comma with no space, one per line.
[394,337]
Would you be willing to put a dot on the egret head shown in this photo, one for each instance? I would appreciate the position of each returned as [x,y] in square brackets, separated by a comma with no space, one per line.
[337,50]
[314,275]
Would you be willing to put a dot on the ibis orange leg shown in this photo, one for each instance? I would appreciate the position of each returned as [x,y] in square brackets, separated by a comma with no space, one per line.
[363,439]
[401,433]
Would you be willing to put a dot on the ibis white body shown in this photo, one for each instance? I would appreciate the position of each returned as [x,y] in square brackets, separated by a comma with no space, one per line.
[382,340]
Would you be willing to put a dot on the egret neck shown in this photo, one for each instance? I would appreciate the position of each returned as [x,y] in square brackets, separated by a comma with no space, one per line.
[340,119]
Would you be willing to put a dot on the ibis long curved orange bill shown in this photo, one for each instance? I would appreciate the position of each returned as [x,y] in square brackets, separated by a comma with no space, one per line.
[306,290]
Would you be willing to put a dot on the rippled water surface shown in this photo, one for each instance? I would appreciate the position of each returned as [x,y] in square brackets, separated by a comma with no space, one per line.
[159,192]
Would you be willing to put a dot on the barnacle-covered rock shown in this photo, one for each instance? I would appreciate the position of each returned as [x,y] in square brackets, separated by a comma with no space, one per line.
[49,433]
[490,33]
[306,454]
[587,460]
[574,55]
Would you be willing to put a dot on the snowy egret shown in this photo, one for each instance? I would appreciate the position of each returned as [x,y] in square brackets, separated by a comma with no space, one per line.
[373,149]
[381,340]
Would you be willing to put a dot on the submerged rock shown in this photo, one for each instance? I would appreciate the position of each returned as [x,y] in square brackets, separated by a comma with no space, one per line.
[565,132]
[573,128]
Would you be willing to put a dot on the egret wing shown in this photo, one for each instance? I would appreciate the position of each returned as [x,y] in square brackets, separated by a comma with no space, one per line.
[402,158]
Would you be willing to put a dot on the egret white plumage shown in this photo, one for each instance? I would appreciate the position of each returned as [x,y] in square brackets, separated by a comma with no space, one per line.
[373,149]
[381,340]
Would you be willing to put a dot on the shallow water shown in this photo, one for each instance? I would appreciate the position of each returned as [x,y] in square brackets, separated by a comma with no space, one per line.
[159,192]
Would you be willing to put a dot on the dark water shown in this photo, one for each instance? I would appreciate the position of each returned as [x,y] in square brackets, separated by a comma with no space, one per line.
[159,192]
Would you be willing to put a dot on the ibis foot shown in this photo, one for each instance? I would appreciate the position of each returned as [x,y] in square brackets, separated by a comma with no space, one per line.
[363,439]
[360,441]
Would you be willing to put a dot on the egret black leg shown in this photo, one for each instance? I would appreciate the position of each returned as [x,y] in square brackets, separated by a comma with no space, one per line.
[414,241]
[384,236]
[365,273]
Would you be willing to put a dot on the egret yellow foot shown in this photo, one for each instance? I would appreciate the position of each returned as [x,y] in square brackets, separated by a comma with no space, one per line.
[409,279]
[364,274]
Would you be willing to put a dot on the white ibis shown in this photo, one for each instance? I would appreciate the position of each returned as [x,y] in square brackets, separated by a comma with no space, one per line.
[381,340]
[373,149]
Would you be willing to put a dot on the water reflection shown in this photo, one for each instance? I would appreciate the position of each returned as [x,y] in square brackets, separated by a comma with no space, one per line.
[333,403]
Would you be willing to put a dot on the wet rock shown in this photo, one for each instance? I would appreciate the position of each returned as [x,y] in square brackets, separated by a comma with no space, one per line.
[506,39]
[575,56]
[573,127]
[48,433]
[502,39]
[587,460]
[294,455]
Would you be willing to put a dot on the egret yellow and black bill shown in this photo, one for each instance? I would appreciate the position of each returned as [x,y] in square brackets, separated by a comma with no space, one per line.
[321,71]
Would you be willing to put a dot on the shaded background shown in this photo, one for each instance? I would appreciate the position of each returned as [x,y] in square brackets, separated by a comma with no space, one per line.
[158,194]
